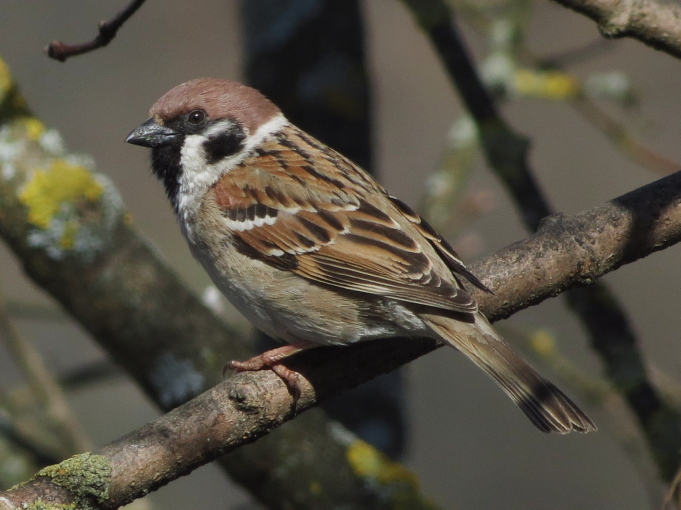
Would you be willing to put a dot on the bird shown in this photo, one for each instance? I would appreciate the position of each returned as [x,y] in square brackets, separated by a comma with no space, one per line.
[312,249]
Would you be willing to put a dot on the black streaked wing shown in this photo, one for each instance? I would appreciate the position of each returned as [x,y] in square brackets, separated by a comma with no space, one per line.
[445,249]
[326,231]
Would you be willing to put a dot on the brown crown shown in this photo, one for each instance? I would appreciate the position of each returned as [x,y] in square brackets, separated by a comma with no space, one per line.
[220,99]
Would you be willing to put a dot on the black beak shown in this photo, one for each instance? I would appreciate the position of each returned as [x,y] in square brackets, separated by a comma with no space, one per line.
[151,135]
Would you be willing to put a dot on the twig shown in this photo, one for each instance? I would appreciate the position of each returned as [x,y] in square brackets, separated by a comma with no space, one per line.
[107,31]
[33,311]
[657,24]
[43,385]
[506,151]
[672,499]
[39,453]
[621,138]
[575,55]
[613,130]
[87,374]
[568,251]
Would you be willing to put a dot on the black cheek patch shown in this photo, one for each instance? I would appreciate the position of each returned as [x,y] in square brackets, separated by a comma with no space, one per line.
[224,144]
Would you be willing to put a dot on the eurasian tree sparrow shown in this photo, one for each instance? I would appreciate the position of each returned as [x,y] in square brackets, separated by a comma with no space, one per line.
[311,249]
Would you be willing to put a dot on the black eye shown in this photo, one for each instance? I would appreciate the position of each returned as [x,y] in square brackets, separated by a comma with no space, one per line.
[196,117]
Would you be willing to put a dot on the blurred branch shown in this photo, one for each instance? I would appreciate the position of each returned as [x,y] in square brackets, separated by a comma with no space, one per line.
[621,139]
[43,385]
[655,23]
[616,88]
[90,373]
[672,500]
[506,151]
[565,252]
[107,30]
[575,55]
[33,311]
[546,78]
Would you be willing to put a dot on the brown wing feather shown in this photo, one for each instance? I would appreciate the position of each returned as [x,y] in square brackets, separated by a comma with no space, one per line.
[327,231]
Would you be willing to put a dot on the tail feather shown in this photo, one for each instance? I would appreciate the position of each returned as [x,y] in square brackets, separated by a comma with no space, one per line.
[549,409]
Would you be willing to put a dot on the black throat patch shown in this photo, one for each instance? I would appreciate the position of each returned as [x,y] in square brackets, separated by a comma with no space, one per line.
[165,163]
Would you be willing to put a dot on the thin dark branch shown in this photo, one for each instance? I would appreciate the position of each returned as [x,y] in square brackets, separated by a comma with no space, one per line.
[572,56]
[107,31]
[566,251]
[506,151]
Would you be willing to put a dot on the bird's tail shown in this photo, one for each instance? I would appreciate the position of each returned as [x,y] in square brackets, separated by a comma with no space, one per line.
[544,404]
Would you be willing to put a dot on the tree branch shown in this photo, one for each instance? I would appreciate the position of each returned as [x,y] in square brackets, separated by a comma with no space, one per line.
[567,251]
[107,30]
[655,23]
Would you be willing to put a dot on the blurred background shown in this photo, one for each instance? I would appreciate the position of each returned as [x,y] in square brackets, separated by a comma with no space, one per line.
[467,443]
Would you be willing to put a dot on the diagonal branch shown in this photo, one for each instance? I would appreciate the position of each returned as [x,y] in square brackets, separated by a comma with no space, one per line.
[566,251]
[106,32]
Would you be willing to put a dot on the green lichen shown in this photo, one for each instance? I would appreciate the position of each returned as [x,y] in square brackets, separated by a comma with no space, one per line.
[392,478]
[86,476]
[40,504]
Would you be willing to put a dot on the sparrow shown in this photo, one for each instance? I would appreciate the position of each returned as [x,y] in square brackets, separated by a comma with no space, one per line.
[312,249]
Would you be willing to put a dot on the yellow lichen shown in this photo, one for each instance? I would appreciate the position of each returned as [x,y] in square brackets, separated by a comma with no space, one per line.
[547,84]
[68,238]
[62,182]
[32,127]
[398,484]
[5,80]
[543,343]
[368,462]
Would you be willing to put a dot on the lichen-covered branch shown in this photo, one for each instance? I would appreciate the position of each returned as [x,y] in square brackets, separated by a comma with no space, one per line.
[656,23]
[566,251]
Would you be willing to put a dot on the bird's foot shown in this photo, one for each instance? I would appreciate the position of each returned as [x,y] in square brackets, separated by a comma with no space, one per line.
[272,360]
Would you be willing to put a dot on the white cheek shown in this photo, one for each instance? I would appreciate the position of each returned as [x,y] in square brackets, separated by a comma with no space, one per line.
[197,176]
[193,156]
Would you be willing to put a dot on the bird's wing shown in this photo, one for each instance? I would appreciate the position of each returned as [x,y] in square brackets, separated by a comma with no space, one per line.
[337,228]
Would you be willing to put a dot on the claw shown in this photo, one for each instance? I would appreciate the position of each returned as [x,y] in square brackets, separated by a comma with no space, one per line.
[272,359]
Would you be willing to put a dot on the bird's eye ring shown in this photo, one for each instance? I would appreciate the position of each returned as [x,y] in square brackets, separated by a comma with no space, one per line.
[196,117]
